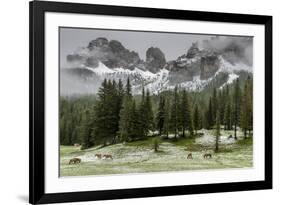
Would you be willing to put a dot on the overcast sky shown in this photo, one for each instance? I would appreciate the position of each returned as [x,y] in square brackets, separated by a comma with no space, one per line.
[173,45]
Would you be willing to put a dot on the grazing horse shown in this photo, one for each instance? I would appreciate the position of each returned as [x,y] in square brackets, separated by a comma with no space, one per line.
[189,156]
[74,161]
[206,156]
[107,156]
[98,156]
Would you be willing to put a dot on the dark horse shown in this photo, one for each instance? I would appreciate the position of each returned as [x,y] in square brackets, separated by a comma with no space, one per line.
[74,161]
[206,156]
[189,156]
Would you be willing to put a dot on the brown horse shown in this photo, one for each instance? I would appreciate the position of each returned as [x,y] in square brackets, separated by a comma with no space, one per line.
[74,161]
[208,155]
[107,156]
[189,156]
[98,156]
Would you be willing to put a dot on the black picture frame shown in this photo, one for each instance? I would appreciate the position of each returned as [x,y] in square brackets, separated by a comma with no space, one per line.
[37,11]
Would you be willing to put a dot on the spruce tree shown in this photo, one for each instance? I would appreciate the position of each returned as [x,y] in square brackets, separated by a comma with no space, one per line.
[217,131]
[250,93]
[166,125]
[215,106]
[236,106]
[143,116]
[175,112]
[125,113]
[227,116]
[149,111]
[246,108]
[119,103]
[196,119]
[106,113]
[160,117]
[134,127]
[209,115]
[85,130]
[185,117]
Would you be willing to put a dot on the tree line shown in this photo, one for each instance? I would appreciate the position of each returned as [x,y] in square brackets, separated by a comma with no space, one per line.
[115,115]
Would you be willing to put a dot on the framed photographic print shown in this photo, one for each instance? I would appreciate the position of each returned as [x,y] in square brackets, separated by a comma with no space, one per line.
[140,102]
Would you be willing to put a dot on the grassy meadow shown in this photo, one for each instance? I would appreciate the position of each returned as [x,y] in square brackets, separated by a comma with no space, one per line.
[140,156]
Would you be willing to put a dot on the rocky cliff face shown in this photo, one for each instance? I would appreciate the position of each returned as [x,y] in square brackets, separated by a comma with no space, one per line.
[194,70]
[209,65]
[155,59]
[194,63]
[111,53]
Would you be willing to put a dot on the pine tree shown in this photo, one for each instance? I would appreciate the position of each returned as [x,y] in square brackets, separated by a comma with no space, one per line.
[146,114]
[196,119]
[106,113]
[222,99]
[134,127]
[236,106]
[246,108]
[217,131]
[215,106]
[227,116]
[85,130]
[149,111]
[128,90]
[250,91]
[143,116]
[160,117]
[209,115]
[125,113]
[166,126]
[175,113]
[119,103]
[185,117]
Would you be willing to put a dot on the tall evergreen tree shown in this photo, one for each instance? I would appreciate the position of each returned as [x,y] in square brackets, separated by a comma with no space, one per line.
[246,108]
[125,113]
[160,117]
[227,116]
[217,131]
[128,90]
[215,106]
[143,116]
[236,106]
[166,125]
[175,112]
[85,130]
[196,118]
[209,115]
[106,114]
[149,111]
[250,90]
[146,114]
[185,116]
[134,126]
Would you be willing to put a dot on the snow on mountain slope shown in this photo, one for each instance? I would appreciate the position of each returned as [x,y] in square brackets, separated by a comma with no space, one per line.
[157,82]
[100,70]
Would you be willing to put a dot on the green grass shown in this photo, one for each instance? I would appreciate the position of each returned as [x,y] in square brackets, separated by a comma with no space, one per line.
[245,142]
[139,157]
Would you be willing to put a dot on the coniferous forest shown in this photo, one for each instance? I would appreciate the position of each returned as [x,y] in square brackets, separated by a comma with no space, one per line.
[115,115]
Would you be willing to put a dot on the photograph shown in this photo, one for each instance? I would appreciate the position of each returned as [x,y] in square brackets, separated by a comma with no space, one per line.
[133,101]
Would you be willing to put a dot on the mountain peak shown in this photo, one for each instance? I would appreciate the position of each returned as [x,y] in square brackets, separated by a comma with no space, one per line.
[155,59]
[193,50]
[99,42]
